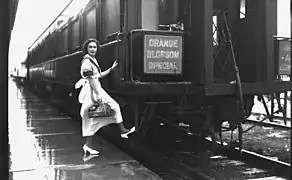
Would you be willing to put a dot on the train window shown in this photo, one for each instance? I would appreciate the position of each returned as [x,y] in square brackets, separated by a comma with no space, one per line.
[242,9]
[90,24]
[65,39]
[59,46]
[215,31]
[75,34]
[157,13]
[110,17]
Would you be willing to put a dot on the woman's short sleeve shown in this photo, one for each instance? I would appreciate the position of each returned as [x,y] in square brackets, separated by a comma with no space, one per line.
[86,65]
[86,68]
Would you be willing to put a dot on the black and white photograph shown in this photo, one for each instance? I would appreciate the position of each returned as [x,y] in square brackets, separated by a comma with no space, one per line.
[145,89]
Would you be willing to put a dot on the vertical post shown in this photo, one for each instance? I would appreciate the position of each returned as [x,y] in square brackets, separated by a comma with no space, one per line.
[290,77]
[240,134]
[4,45]
[290,107]
[98,19]
[285,107]
[136,108]
[270,19]
[131,22]
[133,14]
[233,11]
[263,17]
[209,123]
[272,105]
[201,28]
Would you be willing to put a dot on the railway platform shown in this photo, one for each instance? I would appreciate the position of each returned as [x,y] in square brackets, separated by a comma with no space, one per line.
[46,145]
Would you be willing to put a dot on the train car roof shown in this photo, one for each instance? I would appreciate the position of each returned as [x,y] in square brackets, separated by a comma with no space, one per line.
[58,26]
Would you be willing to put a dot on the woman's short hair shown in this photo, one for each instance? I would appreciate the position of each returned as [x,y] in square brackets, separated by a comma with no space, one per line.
[85,45]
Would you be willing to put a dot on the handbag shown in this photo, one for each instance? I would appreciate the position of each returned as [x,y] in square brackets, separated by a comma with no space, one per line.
[100,109]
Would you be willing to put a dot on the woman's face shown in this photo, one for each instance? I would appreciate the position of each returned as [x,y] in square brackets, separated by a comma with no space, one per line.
[92,48]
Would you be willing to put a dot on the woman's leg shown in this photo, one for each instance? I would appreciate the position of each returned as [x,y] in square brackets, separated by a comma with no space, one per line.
[117,115]
[122,128]
[88,147]
[89,142]
[119,120]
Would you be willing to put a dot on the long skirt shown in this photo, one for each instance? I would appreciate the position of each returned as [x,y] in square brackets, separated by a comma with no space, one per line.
[91,125]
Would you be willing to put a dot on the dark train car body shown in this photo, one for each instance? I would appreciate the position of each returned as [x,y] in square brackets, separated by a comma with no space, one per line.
[174,56]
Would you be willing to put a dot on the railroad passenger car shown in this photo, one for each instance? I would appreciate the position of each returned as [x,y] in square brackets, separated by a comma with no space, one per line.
[198,62]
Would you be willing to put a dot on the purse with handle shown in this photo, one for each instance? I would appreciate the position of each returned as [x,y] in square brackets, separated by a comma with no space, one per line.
[100,109]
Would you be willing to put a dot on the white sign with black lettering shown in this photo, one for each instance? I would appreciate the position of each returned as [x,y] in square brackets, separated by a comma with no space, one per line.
[162,54]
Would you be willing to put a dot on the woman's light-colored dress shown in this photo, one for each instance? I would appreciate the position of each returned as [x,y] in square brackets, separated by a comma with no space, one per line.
[91,125]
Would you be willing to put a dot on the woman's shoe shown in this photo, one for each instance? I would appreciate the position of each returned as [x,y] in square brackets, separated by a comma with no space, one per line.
[125,135]
[91,151]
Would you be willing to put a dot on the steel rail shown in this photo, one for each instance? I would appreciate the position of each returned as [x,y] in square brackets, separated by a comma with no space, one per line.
[275,117]
[279,168]
[269,124]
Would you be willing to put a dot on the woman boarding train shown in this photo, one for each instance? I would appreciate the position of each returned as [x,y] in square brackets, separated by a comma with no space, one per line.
[91,92]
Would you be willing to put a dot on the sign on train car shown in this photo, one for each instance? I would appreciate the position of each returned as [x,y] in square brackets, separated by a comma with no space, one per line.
[162,54]
[284,57]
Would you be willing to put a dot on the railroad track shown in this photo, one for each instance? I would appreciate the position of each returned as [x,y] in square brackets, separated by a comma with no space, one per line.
[245,160]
